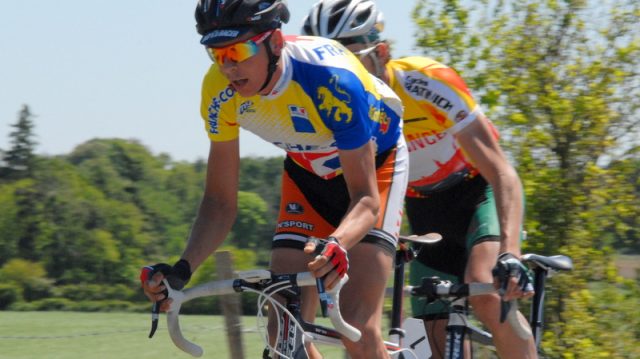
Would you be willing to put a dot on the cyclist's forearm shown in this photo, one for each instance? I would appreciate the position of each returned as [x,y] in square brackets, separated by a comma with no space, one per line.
[359,220]
[508,197]
[209,230]
[359,172]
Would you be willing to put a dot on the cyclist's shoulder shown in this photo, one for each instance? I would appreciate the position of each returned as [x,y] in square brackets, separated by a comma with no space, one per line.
[425,67]
[315,50]
[417,73]
[315,59]
[410,63]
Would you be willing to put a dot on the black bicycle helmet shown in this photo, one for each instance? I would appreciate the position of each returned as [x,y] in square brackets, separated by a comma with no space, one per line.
[223,20]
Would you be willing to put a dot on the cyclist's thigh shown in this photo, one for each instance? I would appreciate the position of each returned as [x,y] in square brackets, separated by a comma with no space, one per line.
[420,308]
[371,260]
[448,212]
[305,208]
[484,225]
[289,260]
[483,239]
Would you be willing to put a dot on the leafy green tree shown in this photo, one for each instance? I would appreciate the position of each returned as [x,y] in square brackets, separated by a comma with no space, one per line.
[30,278]
[263,176]
[251,230]
[9,227]
[19,160]
[564,92]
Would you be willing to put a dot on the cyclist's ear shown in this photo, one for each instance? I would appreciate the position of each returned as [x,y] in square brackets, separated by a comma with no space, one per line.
[276,42]
[383,51]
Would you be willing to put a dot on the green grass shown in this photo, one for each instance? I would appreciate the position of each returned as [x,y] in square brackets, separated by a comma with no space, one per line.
[71,335]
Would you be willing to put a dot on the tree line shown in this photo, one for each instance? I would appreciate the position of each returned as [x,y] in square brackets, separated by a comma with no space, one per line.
[95,216]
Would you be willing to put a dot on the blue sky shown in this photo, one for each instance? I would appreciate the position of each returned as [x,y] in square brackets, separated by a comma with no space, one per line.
[125,69]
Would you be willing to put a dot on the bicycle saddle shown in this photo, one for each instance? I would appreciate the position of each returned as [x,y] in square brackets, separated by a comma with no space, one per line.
[557,262]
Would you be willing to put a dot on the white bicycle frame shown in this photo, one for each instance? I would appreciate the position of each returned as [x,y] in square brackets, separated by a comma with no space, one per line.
[312,333]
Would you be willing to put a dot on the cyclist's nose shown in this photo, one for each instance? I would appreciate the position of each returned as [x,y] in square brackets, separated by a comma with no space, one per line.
[228,65]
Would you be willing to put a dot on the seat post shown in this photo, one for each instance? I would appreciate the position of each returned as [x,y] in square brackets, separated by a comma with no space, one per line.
[537,304]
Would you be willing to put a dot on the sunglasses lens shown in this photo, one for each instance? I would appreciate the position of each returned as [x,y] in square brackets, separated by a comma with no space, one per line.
[236,52]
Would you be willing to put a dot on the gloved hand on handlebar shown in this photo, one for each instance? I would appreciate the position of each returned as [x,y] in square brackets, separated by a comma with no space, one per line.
[151,277]
[330,257]
[509,269]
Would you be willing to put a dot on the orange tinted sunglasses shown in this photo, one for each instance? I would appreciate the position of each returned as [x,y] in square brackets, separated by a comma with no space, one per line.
[238,51]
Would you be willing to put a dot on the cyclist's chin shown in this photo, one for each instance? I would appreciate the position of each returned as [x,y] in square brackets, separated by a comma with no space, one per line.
[245,87]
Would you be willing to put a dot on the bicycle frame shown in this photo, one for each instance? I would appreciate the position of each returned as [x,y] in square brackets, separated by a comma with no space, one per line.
[411,333]
[262,281]
[459,327]
[291,338]
[293,330]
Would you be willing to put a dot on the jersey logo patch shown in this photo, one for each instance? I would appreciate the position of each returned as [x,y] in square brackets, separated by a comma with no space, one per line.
[246,106]
[300,119]
[334,108]
[294,208]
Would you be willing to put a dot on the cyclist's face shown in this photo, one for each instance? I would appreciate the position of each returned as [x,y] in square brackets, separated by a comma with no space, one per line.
[244,63]
[364,53]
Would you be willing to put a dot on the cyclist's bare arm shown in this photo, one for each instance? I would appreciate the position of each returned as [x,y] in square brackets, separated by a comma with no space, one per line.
[215,216]
[483,149]
[359,169]
[219,204]
[360,175]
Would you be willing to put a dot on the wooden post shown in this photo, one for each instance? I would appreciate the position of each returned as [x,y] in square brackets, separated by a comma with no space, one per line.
[230,306]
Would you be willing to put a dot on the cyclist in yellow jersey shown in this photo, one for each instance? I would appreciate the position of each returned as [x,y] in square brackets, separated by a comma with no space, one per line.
[345,173]
[460,183]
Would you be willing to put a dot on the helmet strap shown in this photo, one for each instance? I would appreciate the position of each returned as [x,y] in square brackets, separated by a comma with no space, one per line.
[375,58]
[273,63]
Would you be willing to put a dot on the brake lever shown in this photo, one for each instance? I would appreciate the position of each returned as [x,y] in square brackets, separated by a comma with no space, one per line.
[322,294]
[324,297]
[501,272]
[505,307]
[155,314]
[155,311]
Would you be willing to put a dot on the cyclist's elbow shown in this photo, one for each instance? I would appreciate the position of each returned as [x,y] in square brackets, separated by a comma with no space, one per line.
[216,208]
[373,206]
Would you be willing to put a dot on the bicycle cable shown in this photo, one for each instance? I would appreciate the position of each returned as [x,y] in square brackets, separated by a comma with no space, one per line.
[263,298]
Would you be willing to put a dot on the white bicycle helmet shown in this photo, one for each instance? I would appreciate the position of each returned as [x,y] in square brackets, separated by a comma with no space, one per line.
[357,20]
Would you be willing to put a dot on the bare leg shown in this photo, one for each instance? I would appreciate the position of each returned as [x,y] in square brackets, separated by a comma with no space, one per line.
[437,335]
[487,307]
[289,260]
[362,297]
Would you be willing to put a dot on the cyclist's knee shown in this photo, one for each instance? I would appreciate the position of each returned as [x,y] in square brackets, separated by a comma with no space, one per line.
[487,309]
[370,344]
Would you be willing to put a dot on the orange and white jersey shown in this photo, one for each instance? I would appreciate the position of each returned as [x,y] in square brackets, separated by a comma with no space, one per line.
[437,104]
[325,100]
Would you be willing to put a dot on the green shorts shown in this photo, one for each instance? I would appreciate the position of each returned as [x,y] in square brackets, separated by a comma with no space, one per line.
[464,215]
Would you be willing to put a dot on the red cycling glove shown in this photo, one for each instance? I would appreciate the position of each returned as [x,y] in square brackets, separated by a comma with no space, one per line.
[336,253]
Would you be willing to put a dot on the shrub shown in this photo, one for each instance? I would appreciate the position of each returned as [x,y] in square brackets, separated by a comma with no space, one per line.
[96,292]
[9,294]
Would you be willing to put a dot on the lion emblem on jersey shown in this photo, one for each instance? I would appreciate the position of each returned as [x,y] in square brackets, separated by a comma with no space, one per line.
[334,107]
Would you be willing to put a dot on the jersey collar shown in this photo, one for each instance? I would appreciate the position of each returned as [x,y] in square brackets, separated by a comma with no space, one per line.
[285,78]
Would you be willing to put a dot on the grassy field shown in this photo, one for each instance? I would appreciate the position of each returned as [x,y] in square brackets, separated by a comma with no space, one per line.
[71,335]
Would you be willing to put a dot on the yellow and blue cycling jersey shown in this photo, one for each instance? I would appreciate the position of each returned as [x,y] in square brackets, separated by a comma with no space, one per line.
[437,104]
[325,100]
